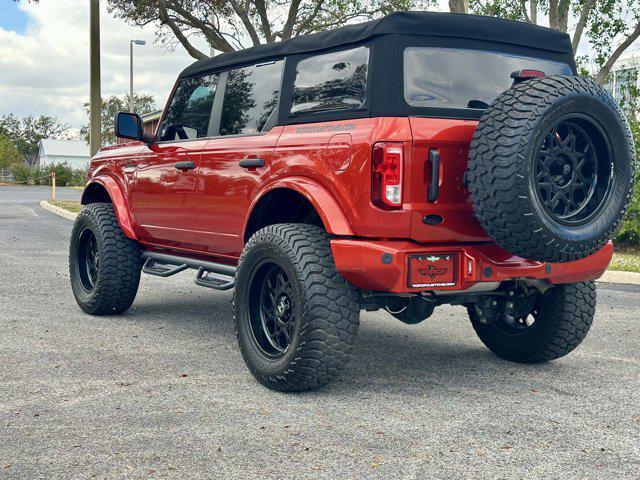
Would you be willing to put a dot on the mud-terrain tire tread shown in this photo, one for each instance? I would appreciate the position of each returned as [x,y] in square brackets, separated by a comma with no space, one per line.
[330,308]
[566,317]
[120,263]
[499,196]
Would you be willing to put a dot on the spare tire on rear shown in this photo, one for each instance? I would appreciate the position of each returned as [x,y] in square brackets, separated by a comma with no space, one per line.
[551,168]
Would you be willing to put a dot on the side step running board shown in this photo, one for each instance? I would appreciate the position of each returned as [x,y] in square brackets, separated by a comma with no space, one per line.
[207,278]
[210,274]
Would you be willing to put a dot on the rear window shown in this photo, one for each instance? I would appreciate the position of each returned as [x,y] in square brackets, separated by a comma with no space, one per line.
[455,78]
[333,81]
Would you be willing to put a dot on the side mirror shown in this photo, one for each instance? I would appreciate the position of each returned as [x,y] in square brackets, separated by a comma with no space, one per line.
[129,125]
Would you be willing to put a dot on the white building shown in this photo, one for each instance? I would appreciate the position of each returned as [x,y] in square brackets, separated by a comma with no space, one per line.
[74,153]
[624,81]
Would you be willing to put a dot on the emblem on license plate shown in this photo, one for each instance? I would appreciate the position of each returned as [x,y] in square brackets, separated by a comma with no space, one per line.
[432,270]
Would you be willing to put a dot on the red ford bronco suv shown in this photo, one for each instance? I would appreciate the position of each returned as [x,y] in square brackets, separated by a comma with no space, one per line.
[418,160]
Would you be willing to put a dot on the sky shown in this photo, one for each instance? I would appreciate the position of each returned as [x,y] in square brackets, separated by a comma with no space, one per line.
[44,59]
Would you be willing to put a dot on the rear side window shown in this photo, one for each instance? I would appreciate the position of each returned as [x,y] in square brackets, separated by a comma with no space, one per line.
[189,112]
[456,78]
[333,81]
[250,99]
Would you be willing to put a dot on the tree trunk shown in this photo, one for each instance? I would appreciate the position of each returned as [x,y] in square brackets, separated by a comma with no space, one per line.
[459,6]
[563,15]
[602,75]
[533,12]
[582,21]
[553,14]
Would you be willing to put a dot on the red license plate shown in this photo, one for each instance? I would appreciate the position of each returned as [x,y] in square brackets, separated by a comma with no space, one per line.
[433,270]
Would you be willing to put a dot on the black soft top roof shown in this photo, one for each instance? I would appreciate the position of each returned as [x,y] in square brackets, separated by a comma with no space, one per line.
[429,24]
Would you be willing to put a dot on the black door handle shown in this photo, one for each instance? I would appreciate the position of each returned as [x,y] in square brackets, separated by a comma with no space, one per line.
[186,165]
[434,186]
[252,162]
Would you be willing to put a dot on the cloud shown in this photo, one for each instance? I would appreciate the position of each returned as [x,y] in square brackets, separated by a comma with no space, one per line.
[45,70]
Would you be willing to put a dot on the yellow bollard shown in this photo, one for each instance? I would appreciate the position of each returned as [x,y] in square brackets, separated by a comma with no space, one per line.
[53,185]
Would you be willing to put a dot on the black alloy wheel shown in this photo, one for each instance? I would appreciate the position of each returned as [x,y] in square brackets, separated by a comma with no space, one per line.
[296,317]
[88,259]
[573,170]
[272,317]
[522,317]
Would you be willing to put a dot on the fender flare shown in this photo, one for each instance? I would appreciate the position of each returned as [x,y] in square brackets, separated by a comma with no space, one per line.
[118,199]
[332,216]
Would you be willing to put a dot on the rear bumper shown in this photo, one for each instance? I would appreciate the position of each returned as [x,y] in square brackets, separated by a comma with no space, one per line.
[361,262]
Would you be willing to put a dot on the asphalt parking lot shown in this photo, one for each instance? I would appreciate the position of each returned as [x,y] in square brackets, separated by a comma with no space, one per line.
[162,392]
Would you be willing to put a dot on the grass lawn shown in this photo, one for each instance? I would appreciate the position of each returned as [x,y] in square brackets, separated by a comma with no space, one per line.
[72,206]
[624,259]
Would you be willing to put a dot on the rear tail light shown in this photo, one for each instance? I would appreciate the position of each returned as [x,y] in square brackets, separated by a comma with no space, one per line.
[387,175]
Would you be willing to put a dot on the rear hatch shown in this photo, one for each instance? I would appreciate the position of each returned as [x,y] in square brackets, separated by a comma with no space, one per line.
[446,90]
[449,216]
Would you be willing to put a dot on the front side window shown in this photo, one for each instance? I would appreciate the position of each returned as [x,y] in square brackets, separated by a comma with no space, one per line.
[458,78]
[250,99]
[332,81]
[189,111]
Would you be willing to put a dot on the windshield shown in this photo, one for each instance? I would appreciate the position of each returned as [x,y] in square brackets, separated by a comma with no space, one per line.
[456,78]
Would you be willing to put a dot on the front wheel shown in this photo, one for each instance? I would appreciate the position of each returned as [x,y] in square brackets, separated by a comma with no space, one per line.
[296,317]
[104,264]
[542,327]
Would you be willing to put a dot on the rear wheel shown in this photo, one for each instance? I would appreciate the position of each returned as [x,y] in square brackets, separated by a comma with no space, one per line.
[540,327]
[296,317]
[104,265]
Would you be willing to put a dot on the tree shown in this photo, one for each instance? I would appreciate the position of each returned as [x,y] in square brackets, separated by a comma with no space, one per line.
[459,6]
[611,26]
[227,24]
[9,154]
[25,133]
[142,104]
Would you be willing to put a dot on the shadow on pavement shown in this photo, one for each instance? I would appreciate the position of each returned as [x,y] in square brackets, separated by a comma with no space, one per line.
[389,356]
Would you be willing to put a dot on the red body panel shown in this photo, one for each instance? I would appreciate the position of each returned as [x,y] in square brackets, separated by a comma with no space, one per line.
[107,169]
[163,198]
[320,152]
[451,138]
[205,211]
[225,189]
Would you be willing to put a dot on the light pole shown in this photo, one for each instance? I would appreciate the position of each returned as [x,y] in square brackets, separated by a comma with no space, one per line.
[131,43]
[94,77]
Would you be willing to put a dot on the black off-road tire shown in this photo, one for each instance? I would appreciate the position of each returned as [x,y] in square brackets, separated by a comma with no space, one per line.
[325,307]
[503,153]
[564,318]
[120,263]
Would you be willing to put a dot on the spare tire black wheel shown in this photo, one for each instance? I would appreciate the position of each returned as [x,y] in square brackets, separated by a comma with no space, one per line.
[551,168]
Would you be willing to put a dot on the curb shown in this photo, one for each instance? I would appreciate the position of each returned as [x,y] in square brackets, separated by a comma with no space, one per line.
[58,211]
[610,276]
